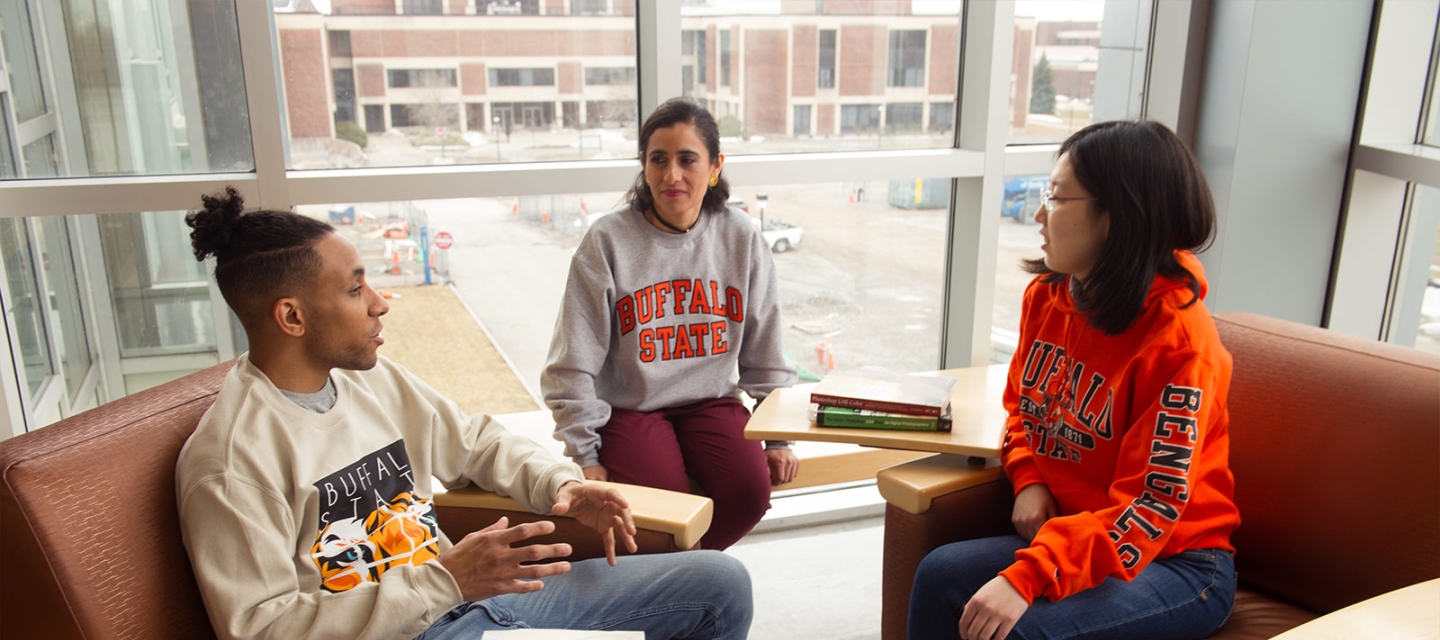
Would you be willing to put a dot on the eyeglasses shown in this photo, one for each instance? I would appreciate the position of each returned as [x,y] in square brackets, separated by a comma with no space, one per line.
[1048,197]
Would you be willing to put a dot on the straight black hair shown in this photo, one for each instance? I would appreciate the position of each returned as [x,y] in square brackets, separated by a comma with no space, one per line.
[672,112]
[1149,184]
[260,256]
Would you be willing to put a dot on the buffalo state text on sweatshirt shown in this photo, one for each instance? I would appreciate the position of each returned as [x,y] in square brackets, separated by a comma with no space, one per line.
[652,320]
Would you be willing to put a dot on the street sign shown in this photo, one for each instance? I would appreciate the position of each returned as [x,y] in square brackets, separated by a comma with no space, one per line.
[443,240]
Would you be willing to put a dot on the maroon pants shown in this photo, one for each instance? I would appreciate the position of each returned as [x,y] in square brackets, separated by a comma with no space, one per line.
[705,441]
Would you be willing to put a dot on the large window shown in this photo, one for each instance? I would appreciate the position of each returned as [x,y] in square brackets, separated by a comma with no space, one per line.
[463,66]
[133,95]
[421,78]
[837,65]
[423,7]
[907,59]
[623,76]
[826,73]
[522,77]
[872,210]
[725,58]
[1059,85]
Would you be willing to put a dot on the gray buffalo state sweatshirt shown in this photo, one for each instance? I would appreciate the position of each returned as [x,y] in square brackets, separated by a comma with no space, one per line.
[652,320]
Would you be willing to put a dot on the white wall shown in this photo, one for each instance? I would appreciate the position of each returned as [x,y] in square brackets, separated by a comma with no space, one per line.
[1277,112]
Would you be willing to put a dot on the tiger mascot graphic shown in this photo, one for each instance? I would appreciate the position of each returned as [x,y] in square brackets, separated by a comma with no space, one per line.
[353,551]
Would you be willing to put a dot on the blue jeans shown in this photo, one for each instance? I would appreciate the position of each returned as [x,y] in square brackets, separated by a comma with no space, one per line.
[693,594]
[1187,595]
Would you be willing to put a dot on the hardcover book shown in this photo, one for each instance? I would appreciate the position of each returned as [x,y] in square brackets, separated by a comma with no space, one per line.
[865,419]
[885,391]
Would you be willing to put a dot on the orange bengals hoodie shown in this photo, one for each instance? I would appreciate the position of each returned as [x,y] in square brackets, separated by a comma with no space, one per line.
[1129,432]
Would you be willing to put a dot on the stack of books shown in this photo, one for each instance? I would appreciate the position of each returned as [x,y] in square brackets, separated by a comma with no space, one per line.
[871,398]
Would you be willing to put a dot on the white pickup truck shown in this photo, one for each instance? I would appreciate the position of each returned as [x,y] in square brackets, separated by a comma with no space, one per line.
[781,236]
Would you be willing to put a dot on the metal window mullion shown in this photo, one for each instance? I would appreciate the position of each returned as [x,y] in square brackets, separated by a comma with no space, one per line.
[107,336]
[258,55]
[657,39]
[34,129]
[69,143]
[129,194]
[51,393]
[987,45]
[480,181]
[1411,163]
[16,400]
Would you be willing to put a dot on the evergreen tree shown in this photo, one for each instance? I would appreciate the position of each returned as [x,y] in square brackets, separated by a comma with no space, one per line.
[1042,88]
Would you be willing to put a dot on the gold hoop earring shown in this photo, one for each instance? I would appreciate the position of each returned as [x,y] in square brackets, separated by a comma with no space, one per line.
[715,179]
[645,180]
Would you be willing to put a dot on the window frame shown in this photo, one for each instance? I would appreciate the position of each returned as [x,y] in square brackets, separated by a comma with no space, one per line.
[975,164]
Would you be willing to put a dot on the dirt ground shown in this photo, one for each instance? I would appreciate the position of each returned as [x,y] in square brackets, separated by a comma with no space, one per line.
[430,332]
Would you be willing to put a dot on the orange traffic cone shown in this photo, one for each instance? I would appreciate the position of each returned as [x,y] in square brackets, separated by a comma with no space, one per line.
[395,261]
[852,196]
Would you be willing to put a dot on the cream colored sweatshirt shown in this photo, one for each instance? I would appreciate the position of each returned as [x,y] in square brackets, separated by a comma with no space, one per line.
[305,525]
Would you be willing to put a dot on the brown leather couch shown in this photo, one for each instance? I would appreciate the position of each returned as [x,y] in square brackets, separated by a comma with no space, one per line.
[1335,447]
[90,539]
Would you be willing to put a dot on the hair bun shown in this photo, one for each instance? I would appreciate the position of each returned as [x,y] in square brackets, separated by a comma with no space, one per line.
[214,226]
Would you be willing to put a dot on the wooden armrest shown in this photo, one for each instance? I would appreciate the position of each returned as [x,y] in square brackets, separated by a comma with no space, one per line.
[913,485]
[683,516]
[1401,614]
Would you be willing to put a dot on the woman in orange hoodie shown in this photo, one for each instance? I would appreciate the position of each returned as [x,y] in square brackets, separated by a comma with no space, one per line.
[1117,443]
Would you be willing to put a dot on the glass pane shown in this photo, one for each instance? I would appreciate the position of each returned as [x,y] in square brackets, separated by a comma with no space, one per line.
[1432,134]
[818,76]
[1425,220]
[22,60]
[1073,68]
[64,294]
[158,86]
[1019,240]
[518,81]
[160,294]
[40,159]
[861,269]
[7,157]
[23,303]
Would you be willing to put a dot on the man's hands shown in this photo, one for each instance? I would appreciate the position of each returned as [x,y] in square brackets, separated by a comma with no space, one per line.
[993,611]
[484,565]
[599,508]
[596,472]
[783,465]
[1033,506]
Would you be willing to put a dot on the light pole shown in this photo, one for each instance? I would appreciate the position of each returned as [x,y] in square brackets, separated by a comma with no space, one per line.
[495,126]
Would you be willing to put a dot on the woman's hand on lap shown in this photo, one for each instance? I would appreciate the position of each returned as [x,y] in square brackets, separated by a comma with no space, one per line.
[992,612]
[784,466]
[1033,506]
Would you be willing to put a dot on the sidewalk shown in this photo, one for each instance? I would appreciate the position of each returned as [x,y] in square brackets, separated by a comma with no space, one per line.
[431,333]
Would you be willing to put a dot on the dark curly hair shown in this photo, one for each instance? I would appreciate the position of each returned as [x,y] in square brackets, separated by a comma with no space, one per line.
[1149,184]
[672,112]
[260,256]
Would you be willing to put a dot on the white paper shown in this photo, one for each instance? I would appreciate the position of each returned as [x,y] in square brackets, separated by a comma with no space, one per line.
[561,634]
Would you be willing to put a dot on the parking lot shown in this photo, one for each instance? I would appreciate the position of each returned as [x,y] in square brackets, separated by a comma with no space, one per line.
[863,287]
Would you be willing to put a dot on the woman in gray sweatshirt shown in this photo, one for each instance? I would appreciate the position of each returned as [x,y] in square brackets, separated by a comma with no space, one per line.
[671,310]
